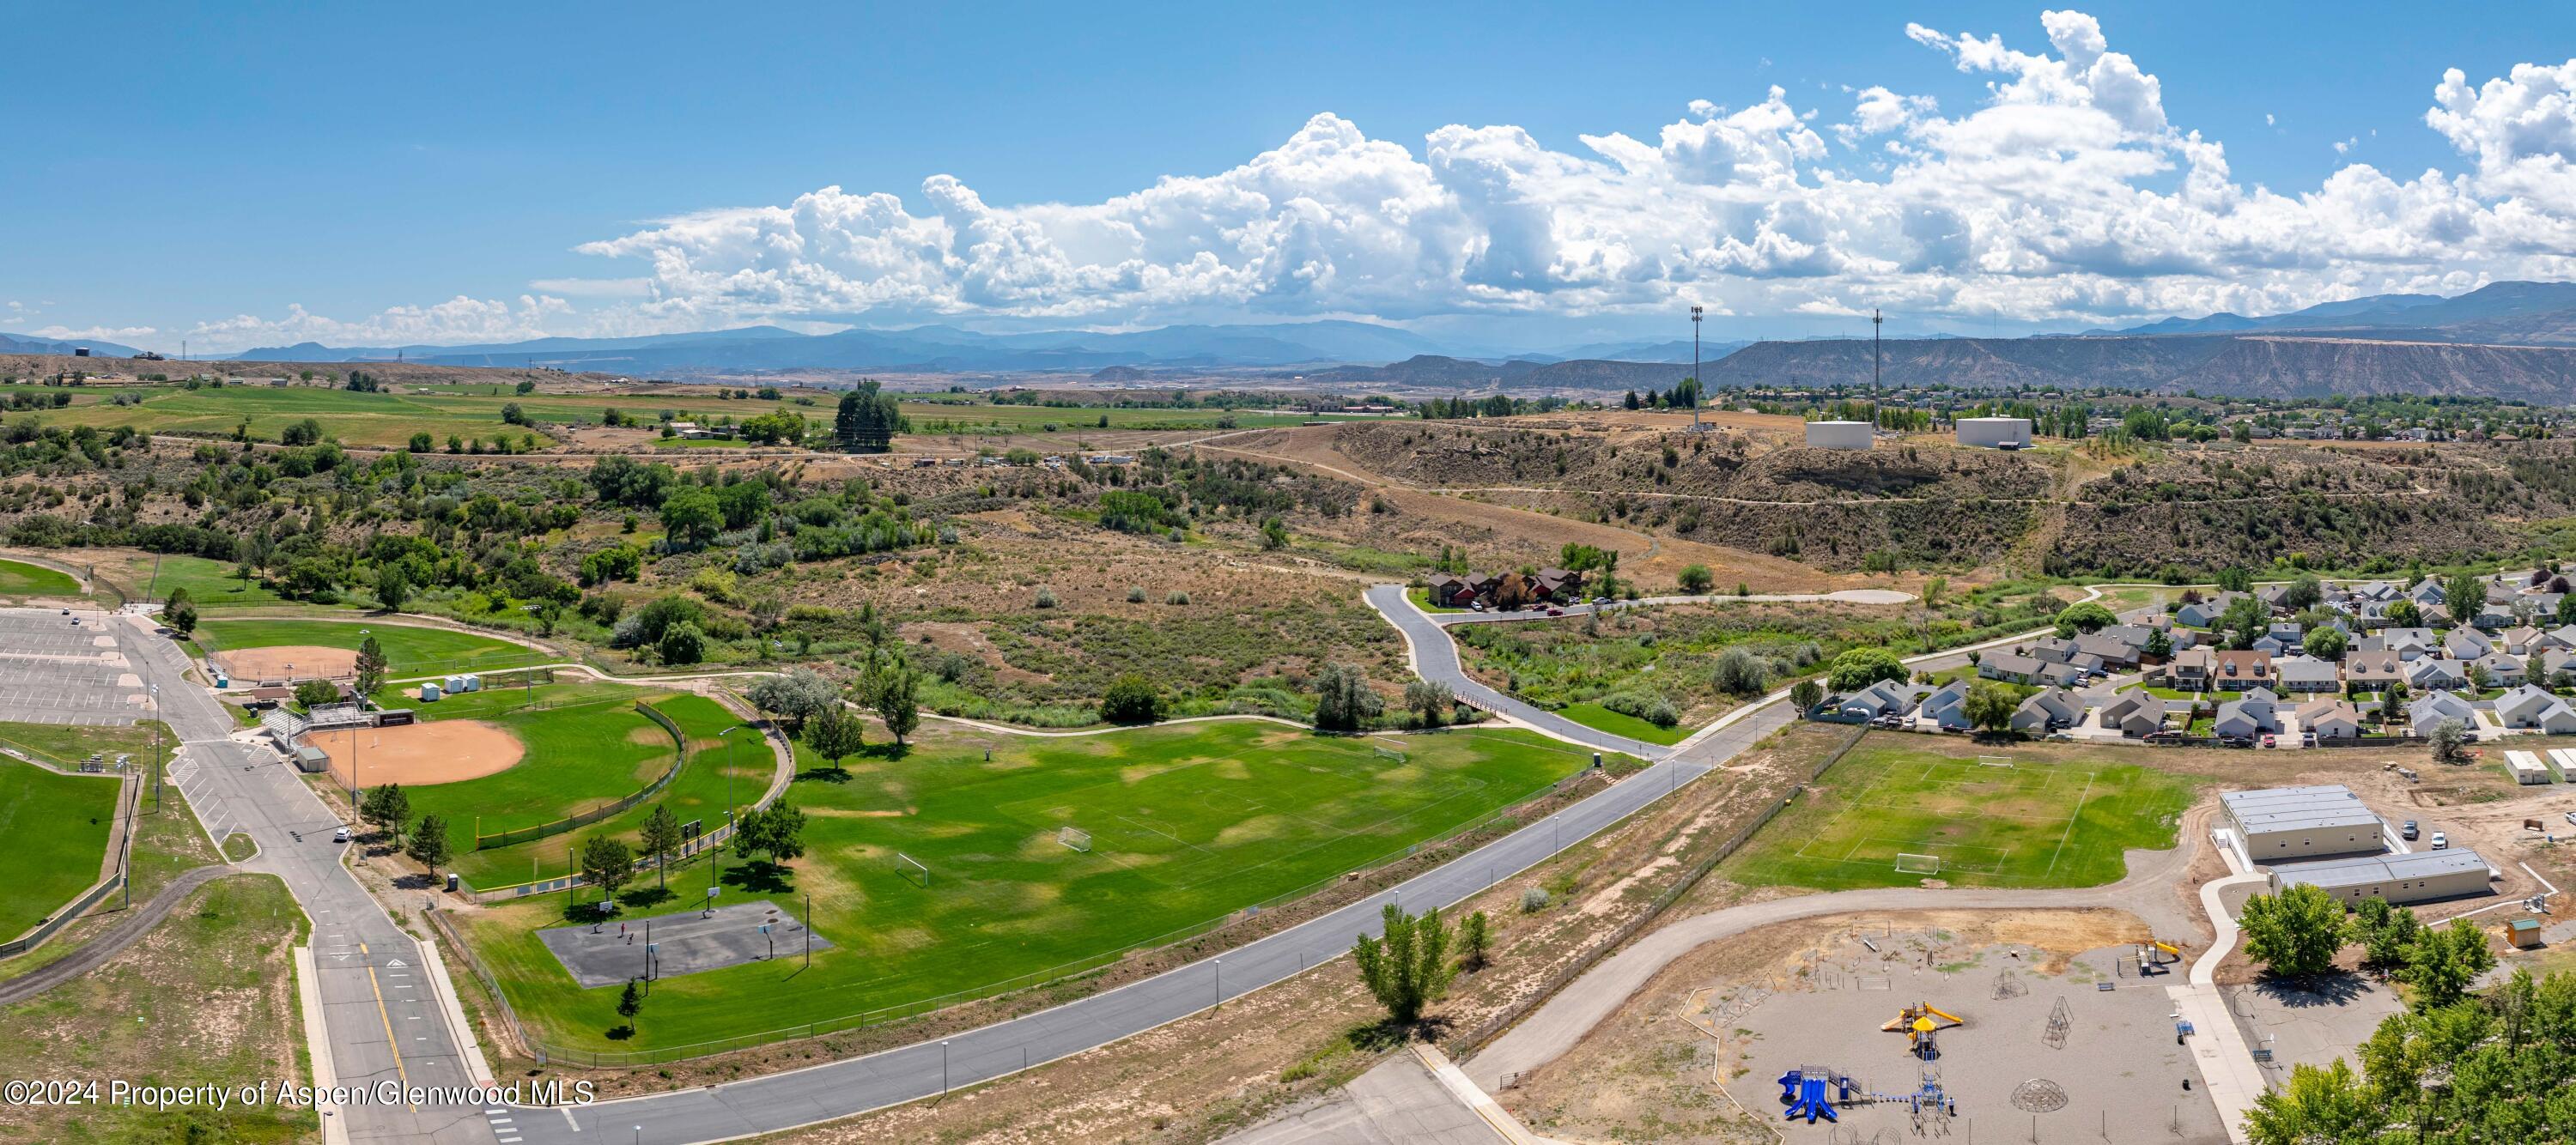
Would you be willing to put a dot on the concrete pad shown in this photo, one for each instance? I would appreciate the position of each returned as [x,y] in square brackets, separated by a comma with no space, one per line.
[611,952]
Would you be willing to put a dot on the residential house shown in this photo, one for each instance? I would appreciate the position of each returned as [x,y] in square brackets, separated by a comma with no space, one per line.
[2271,645]
[2519,639]
[2529,707]
[2048,711]
[1948,707]
[2274,596]
[2287,631]
[2113,652]
[2465,643]
[1558,584]
[2408,643]
[2307,674]
[2010,667]
[2192,669]
[2502,671]
[2552,663]
[2372,671]
[2432,708]
[2255,714]
[2133,635]
[2133,713]
[2204,613]
[2429,674]
[2058,676]
[2239,670]
[2329,719]
[2429,592]
[2054,650]
[2563,636]
[1884,698]
[1451,591]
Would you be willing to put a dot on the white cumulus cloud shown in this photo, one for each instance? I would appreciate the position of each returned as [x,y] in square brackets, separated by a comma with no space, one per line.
[2061,192]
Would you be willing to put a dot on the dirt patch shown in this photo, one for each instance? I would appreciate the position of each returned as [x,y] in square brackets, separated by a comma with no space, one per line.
[287,662]
[443,751]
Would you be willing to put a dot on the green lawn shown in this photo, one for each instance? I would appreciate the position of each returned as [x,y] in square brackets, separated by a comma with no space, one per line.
[1603,719]
[586,746]
[210,583]
[2034,824]
[57,826]
[20,579]
[410,650]
[68,744]
[1188,823]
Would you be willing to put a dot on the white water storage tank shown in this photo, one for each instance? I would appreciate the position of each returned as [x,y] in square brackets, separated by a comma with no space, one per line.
[1839,434]
[1994,432]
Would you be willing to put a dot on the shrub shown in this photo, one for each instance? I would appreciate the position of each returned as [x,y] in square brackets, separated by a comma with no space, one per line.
[1046,598]
[1131,699]
[1697,579]
[1176,596]
[1135,594]
[1739,672]
[1653,709]
[1533,900]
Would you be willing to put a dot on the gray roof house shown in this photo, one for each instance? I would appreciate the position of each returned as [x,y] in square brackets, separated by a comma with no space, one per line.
[2435,707]
[2502,671]
[2203,613]
[2270,643]
[2466,643]
[2373,671]
[2055,650]
[2429,673]
[2054,706]
[2518,639]
[2330,718]
[2009,666]
[2409,643]
[1885,697]
[2111,651]
[2134,713]
[2307,674]
[1948,706]
[2529,707]
[2247,717]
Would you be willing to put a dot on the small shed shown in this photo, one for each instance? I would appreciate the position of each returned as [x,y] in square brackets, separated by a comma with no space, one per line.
[430,691]
[2523,932]
[309,758]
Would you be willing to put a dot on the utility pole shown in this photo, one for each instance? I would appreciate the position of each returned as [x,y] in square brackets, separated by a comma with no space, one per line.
[1876,320]
[809,928]
[1696,387]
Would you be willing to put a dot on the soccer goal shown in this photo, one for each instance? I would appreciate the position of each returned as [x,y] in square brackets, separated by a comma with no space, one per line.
[1074,837]
[1395,754]
[1918,864]
[1994,761]
[911,869]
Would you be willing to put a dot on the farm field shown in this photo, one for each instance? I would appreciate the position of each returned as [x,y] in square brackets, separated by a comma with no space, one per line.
[410,650]
[2034,823]
[18,580]
[1186,825]
[57,826]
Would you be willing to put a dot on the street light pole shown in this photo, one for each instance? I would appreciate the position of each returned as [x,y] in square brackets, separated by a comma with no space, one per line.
[1696,386]
[731,843]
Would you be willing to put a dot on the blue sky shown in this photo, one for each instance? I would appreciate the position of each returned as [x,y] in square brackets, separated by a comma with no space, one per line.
[254,172]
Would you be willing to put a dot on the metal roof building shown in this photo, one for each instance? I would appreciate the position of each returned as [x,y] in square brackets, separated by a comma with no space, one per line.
[2297,822]
[2401,879]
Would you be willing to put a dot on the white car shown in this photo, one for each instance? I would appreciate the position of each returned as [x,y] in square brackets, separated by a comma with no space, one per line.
[340,836]
[2441,842]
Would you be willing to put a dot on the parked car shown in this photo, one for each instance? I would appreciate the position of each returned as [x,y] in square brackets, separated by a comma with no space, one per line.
[2307,739]
[2441,842]
[1553,610]
[2269,741]
[340,836]
[2236,741]
[1598,601]
[2407,832]
[2164,737]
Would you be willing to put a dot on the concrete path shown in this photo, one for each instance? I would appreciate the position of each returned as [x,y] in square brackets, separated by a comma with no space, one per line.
[2226,1063]
[137,922]
[1402,1101]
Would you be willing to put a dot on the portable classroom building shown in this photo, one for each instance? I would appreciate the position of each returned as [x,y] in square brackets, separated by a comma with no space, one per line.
[2281,823]
[2419,876]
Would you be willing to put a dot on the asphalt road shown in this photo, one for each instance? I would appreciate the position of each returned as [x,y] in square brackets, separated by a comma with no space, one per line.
[1436,659]
[382,1018]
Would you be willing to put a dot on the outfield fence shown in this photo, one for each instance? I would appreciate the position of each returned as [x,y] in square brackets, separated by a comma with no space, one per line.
[679,741]
[491,986]
[1360,875]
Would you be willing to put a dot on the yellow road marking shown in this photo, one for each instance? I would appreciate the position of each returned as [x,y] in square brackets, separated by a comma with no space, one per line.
[388,1019]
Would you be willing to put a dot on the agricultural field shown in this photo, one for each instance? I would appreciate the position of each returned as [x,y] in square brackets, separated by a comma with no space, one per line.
[1999,819]
[58,827]
[20,580]
[410,650]
[1186,824]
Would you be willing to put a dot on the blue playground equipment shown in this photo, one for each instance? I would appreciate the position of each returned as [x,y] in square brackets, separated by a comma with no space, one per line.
[1817,1091]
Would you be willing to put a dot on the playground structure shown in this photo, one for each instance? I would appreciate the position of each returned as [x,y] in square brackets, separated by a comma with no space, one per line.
[1921,1022]
[1814,1091]
[2154,955]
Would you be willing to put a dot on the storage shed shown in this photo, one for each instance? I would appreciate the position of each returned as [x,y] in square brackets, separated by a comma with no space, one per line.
[2526,768]
[2298,822]
[2410,878]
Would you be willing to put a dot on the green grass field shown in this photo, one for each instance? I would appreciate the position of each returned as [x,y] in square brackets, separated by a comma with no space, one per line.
[210,583]
[410,650]
[57,827]
[20,579]
[586,746]
[1603,719]
[67,745]
[2033,824]
[1188,823]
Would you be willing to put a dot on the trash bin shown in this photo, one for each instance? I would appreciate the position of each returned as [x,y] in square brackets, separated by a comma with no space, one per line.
[451,881]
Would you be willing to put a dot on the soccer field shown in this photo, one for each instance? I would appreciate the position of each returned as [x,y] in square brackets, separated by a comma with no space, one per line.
[1995,820]
[1186,824]
[57,826]
[19,579]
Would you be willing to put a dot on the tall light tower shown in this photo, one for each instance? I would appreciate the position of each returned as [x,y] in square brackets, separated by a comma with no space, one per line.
[1696,387]
[1876,320]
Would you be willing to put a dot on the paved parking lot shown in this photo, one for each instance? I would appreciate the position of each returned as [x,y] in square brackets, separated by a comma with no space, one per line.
[53,671]
[613,951]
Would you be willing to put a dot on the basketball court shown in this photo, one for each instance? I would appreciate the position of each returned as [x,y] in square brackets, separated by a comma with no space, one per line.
[440,751]
[613,951]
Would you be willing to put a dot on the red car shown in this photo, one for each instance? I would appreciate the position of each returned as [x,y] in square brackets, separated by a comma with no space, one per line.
[1555,611]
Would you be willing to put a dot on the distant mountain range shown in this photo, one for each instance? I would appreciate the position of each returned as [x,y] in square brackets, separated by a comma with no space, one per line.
[31,344]
[1434,371]
[2504,313]
[939,349]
